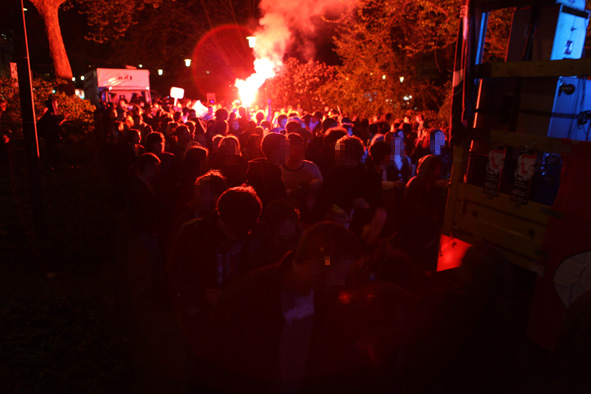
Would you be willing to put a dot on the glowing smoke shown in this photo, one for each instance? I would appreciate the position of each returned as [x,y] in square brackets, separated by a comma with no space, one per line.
[282,19]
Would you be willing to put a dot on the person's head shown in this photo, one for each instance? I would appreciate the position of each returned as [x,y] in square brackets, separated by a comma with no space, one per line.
[292,126]
[260,116]
[221,114]
[239,209]
[176,116]
[331,136]
[282,121]
[347,124]
[171,128]
[242,111]
[436,140]
[183,134]
[297,151]
[195,160]
[317,116]
[208,189]
[329,123]
[234,126]
[429,168]
[379,151]
[148,167]
[220,127]
[274,147]
[229,147]
[305,134]
[325,257]
[132,136]
[253,146]
[397,145]
[154,142]
[349,151]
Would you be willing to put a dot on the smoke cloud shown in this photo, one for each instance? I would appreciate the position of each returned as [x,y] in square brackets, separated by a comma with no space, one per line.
[282,21]
[285,19]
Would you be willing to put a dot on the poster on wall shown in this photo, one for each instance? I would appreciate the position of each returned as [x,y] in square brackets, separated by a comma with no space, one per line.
[494,169]
[524,172]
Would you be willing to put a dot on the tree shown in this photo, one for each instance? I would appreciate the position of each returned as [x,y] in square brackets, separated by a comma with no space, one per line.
[299,85]
[48,9]
[398,54]
[107,19]
[389,50]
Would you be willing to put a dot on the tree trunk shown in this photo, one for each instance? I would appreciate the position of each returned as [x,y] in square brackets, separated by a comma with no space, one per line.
[48,9]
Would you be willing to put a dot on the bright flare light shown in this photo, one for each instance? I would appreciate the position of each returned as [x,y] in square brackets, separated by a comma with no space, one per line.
[248,88]
[251,41]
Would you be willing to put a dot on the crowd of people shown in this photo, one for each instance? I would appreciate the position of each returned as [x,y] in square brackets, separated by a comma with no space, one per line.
[298,250]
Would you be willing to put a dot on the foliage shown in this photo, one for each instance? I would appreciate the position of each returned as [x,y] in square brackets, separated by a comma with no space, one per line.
[299,84]
[497,35]
[109,20]
[394,55]
[385,40]
[78,112]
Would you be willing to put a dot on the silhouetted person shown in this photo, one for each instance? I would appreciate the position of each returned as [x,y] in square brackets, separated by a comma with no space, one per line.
[49,128]
[210,252]
[268,331]
[263,173]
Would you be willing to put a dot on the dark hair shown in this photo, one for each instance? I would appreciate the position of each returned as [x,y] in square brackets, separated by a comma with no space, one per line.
[432,134]
[292,125]
[331,136]
[379,150]
[240,209]
[153,137]
[221,114]
[304,133]
[329,123]
[217,181]
[194,157]
[181,129]
[353,147]
[270,143]
[295,138]
[145,160]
